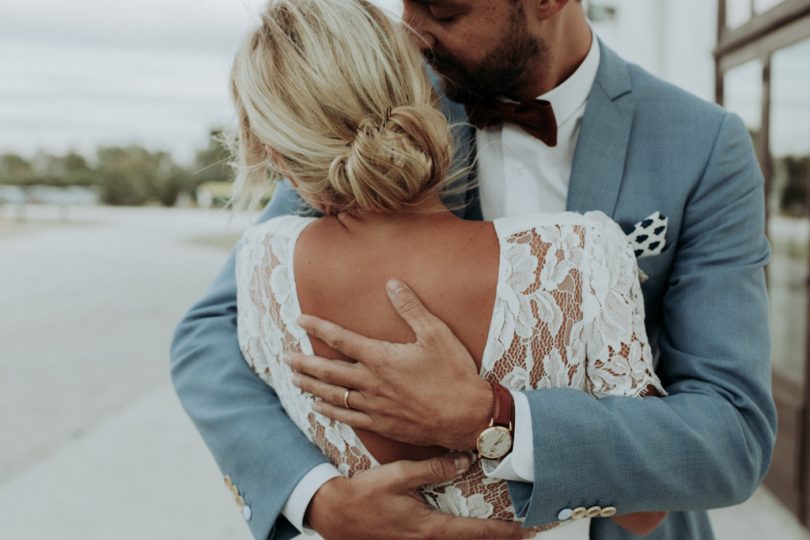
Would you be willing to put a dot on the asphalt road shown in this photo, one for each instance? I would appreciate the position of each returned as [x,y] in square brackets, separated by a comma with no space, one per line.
[95,444]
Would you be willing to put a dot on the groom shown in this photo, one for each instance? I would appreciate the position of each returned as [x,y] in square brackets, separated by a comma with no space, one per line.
[627,144]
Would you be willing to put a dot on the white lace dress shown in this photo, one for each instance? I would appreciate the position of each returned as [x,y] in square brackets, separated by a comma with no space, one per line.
[568,313]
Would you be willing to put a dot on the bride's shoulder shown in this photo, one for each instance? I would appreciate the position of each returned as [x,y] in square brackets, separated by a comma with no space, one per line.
[278,230]
[593,234]
[554,222]
[278,226]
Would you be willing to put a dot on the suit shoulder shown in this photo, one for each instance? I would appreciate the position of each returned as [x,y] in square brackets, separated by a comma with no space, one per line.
[676,129]
[651,90]
[673,107]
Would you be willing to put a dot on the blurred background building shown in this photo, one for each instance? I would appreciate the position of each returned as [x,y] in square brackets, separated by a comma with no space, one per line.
[763,74]
[109,114]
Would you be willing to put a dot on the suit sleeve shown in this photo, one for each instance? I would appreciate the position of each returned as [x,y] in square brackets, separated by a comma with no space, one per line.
[708,443]
[239,417]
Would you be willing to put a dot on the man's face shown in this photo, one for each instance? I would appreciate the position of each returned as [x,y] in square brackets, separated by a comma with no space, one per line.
[481,48]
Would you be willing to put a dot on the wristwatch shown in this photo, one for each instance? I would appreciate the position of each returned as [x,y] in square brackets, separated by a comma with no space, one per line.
[496,440]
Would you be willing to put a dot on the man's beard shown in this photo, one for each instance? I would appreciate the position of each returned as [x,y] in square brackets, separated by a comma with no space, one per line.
[504,72]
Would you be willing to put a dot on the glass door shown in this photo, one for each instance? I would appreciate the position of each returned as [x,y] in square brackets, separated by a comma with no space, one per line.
[763,75]
[788,275]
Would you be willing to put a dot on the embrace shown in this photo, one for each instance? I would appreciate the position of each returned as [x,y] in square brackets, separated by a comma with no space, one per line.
[510,287]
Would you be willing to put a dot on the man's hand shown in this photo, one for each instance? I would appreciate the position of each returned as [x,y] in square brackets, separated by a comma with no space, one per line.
[424,393]
[640,523]
[384,503]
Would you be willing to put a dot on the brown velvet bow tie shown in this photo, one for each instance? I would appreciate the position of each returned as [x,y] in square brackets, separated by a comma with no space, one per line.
[535,117]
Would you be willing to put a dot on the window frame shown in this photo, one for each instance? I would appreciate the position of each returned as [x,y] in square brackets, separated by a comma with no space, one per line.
[759,38]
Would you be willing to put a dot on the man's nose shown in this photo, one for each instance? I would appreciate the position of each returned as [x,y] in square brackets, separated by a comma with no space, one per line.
[418,28]
[423,40]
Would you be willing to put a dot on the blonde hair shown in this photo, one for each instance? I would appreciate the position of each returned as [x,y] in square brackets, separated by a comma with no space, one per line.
[340,97]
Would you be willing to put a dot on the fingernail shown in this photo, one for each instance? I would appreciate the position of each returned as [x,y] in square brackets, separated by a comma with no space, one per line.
[287,359]
[393,286]
[462,463]
[296,378]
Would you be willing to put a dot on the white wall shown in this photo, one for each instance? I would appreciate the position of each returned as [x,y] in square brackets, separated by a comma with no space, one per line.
[672,39]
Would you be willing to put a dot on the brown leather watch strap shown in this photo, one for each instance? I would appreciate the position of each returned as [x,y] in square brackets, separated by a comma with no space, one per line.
[503,408]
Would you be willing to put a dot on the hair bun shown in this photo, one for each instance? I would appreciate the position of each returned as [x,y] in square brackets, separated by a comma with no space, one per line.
[395,158]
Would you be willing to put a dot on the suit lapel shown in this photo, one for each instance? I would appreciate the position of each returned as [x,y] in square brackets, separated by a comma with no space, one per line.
[599,158]
[465,203]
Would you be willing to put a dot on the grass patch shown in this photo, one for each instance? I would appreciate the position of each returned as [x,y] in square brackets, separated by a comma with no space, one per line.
[225,242]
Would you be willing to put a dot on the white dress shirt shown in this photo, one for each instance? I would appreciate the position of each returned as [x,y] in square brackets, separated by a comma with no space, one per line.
[518,174]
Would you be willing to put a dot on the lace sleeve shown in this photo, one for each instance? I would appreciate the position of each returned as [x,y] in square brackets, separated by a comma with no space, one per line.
[619,359]
[259,336]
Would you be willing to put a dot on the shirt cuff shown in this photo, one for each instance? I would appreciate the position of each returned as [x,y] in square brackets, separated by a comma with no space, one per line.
[301,496]
[518,465]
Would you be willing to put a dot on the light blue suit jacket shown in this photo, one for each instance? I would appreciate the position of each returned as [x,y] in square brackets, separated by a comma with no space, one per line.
[644,146]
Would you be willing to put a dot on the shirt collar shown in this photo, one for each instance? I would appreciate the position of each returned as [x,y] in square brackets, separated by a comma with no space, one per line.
[567,98]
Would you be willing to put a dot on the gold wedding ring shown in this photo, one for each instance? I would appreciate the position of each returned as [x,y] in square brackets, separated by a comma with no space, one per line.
[346,399]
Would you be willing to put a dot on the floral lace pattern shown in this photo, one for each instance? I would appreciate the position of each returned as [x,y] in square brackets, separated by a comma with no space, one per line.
[568,313]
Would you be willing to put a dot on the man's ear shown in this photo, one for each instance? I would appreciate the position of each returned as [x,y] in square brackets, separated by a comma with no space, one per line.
[546,9]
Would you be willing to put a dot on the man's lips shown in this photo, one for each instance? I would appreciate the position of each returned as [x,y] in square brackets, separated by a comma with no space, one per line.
[444,68]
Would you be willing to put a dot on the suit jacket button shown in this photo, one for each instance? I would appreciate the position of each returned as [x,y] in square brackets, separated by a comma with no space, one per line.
[247,513]
[593,511]
[608,511]
[579,512]
[565,514]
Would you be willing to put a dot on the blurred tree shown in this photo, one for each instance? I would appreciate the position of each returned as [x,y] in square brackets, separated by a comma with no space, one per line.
[15,170]
[70,169]
[211,163]
[210,168]
[133,175]
[124,175]
[180,180]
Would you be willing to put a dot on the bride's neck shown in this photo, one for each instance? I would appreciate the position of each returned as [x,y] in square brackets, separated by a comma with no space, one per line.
[430,211]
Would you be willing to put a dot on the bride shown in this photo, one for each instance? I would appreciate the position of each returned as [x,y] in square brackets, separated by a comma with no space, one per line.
[332,96]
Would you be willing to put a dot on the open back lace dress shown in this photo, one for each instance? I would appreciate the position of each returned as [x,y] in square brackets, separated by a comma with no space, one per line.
[568,313]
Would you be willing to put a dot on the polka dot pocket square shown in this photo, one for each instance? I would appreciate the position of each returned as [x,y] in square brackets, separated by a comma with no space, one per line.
[649,236]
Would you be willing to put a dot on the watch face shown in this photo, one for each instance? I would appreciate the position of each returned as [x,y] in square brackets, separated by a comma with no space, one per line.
[494,442]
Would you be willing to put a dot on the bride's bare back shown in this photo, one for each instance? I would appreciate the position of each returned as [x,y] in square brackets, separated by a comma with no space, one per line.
[342,265]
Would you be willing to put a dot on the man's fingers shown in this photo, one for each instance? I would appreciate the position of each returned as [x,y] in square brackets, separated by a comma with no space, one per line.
[411,308]
[336,395]
[353,345]
[474,529]
[353,418]
[331,372]
[413,474]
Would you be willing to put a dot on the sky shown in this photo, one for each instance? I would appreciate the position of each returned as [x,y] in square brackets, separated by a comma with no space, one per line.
[85,73]
[90,72]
